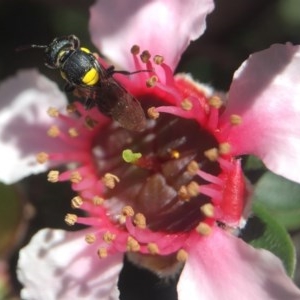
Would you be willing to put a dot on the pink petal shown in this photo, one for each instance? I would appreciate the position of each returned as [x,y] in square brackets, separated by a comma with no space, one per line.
[57,264]
[266,93]
[163,27]
[224,267]
[25,99]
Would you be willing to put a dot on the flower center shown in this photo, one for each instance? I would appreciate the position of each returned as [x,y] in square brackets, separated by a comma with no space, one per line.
[151,184]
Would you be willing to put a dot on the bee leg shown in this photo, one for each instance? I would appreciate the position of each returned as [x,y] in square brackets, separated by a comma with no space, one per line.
[69,88]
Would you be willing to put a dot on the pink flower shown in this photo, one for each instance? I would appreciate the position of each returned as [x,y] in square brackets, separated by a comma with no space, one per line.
[174,190]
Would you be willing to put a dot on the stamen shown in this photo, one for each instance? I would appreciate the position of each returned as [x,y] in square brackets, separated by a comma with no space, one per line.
[75,177]
[71,108]
[90,238]
[108,237]
[153,248]
[98,200]
[175,154]
[71,219]
[224,148]
[215,101]
[151,82]
[193,189]
[140,220]
[90,123]
[110,180]
[132,244]
[53,112]
[135,50]
[158,59]
[76,202]
[53,176]
[127,211]
[186,104]
[193,167]
[183,193]
[204,229]
[153,113]
[235,119]
[53,131]
[212,154]
[145,56]
[102,252]
[182,255]
[42,157]
[73,132]
[208,210]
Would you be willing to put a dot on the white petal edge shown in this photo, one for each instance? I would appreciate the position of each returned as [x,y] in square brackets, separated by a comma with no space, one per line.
[162,27]
[57,264]
[222,266]
[25,99]
[266,92]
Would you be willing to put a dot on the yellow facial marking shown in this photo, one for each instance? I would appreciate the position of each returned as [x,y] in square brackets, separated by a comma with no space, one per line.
[91,77]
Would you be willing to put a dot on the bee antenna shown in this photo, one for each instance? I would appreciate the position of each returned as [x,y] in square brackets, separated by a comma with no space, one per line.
[26,47]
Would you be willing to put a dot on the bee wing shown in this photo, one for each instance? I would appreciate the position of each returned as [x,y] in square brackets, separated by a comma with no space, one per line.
[115,101]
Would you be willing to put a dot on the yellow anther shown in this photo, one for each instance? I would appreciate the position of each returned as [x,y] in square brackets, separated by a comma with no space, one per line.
[110,180]
[174,154]
[183,193]
[90,238]
[71,108]
[42,157]
[193,189]
[204,229]
[186,104]
[215,101]
[135,50]
[151,82]
[140,220]
[102,252]
[53,176]
[73,132]
[108,237]
[76,202]
[91,77]
[208,210]
[182,255]
[132,244]
[158,59]
[224,148]
[75,177]
[153,113]
[212,154]
[193,167]
[70,219]
[145,56]
[90,123]
[53,112]
[235,119]
[127,211]
[53,131]
[97,200]
[153,248]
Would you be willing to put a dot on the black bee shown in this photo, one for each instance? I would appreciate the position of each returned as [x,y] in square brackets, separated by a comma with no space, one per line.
[90,80]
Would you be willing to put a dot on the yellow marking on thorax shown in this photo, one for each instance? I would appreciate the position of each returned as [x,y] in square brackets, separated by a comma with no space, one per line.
[91,77]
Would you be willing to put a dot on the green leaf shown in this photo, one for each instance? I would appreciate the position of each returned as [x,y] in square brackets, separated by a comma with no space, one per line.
[253,163]
[263,231]
[281,197]
[11,212]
